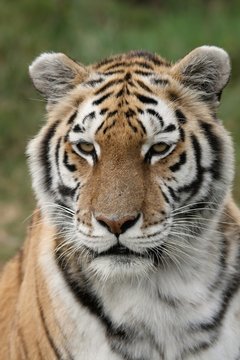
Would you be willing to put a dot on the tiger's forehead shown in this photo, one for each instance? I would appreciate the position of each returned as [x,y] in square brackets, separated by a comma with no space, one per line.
[151,121]
[125,93]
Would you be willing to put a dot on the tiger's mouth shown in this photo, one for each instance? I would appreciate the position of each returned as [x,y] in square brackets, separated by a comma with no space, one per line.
[119,250]
[120,260]
[122,252]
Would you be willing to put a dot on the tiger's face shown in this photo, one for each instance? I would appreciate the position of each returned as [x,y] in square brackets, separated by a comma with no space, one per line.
[131,153]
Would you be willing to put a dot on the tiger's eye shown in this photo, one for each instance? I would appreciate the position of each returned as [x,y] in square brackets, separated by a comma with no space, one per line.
[85,147]
[160,148]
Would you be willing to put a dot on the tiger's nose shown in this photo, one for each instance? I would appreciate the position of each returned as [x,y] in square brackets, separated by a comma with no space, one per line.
[119,226]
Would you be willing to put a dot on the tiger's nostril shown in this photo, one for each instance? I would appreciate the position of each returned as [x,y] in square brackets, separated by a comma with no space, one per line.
[119,226]
[104,222]
[129,223]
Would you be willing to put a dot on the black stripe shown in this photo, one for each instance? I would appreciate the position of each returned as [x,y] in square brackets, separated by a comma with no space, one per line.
[216,146]
[199,347]
[165,197]
[146,99]
[182,134]
[117,65]
[103,111]
[66,136]
[218,281]
[143,65]
[143,73]
[127,92]
[130,113]
[213,327]
[140,110]
[144,86]
[100,127]
[44,154]
[232,286]
[106,62]
[93,83]
[132,126]
[111,113]
[114,72]
[182,161]
[162,82]
[109,127]
[128,76]
[180,116]
[147,55]
[130,83]
[57,155]
[101,99]
[169,128]
[66,190]
[72,118]
[156,114]
[172,193]
[70,167]
[194,186]
[85,295]
[142,126]
[119,93]
[108,85]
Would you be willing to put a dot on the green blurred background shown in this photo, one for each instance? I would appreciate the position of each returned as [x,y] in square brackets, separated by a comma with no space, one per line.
[88,31]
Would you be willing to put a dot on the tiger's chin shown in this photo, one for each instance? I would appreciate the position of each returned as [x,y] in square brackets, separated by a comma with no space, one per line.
[119,262]
[120,267]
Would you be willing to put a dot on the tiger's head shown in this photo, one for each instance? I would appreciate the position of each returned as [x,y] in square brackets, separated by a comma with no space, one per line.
[132,154]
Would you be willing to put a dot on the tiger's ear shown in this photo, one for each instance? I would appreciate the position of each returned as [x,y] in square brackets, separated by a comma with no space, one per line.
[55,74]
[206,69]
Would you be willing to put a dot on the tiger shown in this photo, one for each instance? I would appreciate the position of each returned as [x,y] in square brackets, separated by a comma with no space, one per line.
[133,251]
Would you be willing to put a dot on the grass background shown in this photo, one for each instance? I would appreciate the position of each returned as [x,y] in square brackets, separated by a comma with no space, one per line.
[88,31]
